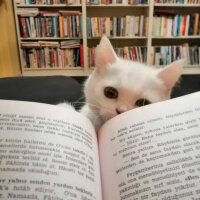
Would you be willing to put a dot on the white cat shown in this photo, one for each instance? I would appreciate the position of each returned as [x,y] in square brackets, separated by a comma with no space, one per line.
[117,85]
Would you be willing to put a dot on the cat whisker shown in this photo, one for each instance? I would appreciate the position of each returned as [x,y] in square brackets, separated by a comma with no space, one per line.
[93,106]
[97,105]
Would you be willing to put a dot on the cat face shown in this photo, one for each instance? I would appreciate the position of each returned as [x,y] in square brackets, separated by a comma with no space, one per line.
[119,85]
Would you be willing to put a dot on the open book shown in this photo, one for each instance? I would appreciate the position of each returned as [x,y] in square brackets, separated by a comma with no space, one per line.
[51,153]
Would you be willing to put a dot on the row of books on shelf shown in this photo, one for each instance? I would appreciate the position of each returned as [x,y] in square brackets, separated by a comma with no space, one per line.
[48,24]
[117,26]
[107,2]
[45,54]
[164,55]
[47,2]
[178,1]
[68,2]
[131,2]
[52,56]
[134,53]
[178,25]
[66,54]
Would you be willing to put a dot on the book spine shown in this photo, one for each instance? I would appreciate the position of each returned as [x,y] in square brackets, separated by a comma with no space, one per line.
[28,27]
[196,21]
[43,27]
[81,56]
[38,58]
[61,26]
[23,29]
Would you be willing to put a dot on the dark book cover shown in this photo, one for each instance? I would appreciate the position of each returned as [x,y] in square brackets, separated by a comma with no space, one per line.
[40,26]
[52,27]
[164,11]
[111,22]
[77,56]
[21,26]
[72,26]
[196,57]
[178,55]
[118,26]
[172,54]
[27,58]
[57,26]
[142,52]
[27,23]
[75,26]
[191,25]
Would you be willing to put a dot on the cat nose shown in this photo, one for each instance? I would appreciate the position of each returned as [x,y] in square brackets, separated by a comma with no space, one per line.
[121,109]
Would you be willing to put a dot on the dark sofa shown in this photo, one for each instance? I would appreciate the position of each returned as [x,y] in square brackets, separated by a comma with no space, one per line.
[55,89]
[44,89]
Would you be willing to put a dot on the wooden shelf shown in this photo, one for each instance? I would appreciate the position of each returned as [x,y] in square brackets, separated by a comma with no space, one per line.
[116,5]
[176,5]
[48,6]
[191,70]
[188,69]
[116,37]
[121,37]
[55,68]
[177,37]
[51,38]
[72,71]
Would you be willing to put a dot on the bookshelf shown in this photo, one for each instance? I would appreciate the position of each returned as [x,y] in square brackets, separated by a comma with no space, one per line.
[145,42]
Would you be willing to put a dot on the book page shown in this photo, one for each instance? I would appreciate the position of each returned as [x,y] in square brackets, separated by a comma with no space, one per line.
[47,153]
[153,152]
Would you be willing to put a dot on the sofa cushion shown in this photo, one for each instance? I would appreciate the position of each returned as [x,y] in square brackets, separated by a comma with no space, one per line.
[44,89]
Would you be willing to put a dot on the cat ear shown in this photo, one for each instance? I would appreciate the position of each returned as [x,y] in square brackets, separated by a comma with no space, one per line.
[170,74]
[104,54]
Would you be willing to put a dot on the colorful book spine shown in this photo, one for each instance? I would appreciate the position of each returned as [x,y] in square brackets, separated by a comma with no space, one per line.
[81,56]
[50,2]
[52,57]
[123,2]
[117,26]
[134,53]
[51,25]
[164,55]
[177,25]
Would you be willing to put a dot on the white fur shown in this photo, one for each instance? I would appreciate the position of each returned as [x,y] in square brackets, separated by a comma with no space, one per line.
[66,105]
[132,80]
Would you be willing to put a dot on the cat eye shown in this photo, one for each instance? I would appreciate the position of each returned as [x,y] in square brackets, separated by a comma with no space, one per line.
[142,102]
[110,92]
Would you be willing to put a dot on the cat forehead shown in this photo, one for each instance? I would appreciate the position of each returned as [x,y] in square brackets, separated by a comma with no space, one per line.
[132,75]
